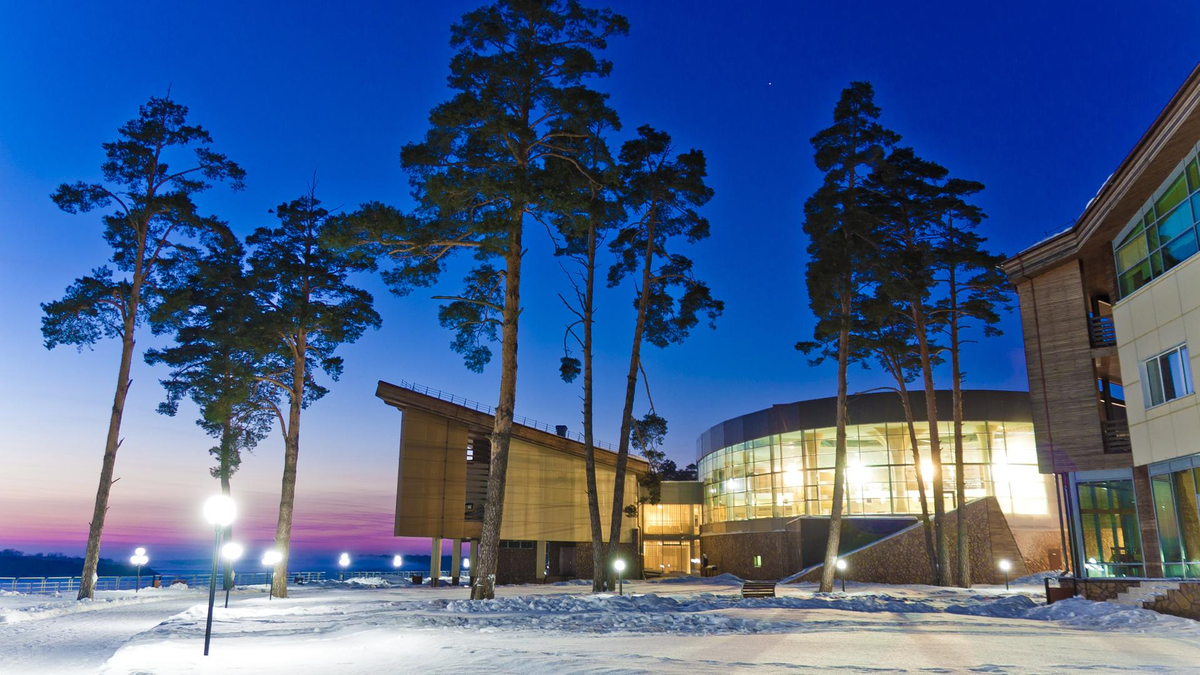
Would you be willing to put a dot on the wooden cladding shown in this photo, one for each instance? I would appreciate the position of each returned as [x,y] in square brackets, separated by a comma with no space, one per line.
[1062,377]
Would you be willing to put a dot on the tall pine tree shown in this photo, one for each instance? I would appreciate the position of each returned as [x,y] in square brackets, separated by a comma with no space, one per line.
[307,309]
[150,175]
[520,107]
[841,228]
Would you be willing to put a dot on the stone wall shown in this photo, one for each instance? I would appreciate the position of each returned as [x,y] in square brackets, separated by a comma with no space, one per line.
[902,559]
[1041,549]
[627,550]
[1183,602]
[779,551]
[516,566]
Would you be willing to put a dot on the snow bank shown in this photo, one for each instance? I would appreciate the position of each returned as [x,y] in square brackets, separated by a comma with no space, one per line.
[19,607]
[1080,613]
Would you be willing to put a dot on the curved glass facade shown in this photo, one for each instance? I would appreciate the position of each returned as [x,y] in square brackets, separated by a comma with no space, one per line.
[791,474]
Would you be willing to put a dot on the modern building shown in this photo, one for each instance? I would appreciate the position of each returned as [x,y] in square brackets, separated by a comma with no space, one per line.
[441,487]
[759,509]
[767,478]
[1109,309]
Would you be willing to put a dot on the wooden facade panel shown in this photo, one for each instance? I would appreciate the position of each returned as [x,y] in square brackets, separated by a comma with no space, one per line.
[431,482]
[1062,379]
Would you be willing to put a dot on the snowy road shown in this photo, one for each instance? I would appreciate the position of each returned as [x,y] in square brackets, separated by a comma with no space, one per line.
[700,627]
[63,637]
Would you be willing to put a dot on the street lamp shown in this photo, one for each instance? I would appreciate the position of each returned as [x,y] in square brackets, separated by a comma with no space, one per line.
[1005,566]
[138,558]
[344,561]
[466,563]
[230,552]
[841,568]
[270,558]
[619,566]
[397,561]
[219,511]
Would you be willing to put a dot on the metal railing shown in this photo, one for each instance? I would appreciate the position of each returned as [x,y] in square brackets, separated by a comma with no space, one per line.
[57,585]
[1102,331]
[491,410]
[1116,436]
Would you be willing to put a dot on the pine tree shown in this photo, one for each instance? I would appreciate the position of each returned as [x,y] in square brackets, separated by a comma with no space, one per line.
[307,309]
[841,228]
[520,107]
[210,309]
[590,210]
[153,211]
[974,291]
[661,191]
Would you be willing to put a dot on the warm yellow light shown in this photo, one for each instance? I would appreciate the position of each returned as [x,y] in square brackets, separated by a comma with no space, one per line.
[793,478]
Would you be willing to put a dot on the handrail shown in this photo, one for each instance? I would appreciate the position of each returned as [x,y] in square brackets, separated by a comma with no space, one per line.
[1115,434]
[1102,331]
[491,410]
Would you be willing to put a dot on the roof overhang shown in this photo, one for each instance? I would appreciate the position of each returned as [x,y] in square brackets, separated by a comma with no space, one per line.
[1157,153]
[405,399]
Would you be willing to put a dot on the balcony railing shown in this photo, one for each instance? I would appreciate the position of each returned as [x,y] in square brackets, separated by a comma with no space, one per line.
[1116,436]
[1102,331]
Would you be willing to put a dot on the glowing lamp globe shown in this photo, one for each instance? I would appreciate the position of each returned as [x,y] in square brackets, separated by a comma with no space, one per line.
[231,551]
[141,550]
[271,557]
[841,564]
[619,565]
[220,511]
[344,560]
[466,563]
[1005,566]
[397,561]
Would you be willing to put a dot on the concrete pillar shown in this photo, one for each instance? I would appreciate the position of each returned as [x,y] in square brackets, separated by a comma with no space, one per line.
[540,570]
[435,562]
[455,560]
[473,556]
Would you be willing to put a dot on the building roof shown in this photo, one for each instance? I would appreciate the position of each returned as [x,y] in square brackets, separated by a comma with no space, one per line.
[1157,153]
[479,416]
[872,408]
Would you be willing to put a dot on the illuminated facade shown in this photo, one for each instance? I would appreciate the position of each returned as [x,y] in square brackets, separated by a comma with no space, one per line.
[791,474]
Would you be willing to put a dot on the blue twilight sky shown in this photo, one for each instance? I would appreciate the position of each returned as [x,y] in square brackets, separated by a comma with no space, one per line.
[1039,101]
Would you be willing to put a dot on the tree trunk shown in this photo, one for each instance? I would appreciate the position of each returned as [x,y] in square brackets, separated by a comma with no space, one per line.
[935,446]
[839,462]
[291,452]
[927,525]
[226,450]
[91,558]
[493,512]
[589,442]
[960,479]
[635,356]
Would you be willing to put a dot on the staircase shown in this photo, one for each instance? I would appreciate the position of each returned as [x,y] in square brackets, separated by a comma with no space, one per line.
[1147,591]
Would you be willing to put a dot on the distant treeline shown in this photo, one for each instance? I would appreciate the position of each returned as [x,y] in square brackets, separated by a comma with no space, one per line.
[14,563]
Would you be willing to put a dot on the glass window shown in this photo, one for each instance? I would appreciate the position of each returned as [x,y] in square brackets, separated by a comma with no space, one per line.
[1168,376]
[1163,235]
[1112,543]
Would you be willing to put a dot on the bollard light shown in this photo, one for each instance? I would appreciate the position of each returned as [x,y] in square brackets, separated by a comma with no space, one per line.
[344,562]
[220,512]
[619,566]
[841,568]
[269,560]
[1005,566]
[138,558]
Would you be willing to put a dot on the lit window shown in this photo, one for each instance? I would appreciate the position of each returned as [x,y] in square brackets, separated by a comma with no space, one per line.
[758,561]
[1167,376]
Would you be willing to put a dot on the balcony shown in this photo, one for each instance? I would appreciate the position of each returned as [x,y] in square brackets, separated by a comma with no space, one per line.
[1102,331]
[1116,436]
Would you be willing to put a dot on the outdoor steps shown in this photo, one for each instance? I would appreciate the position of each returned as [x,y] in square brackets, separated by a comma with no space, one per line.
[1147,591]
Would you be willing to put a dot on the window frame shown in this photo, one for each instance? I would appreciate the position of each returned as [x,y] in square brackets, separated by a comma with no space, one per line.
[1184,384]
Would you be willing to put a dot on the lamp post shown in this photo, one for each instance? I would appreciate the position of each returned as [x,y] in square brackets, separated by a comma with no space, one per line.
[1005,566]
[397,561]
[344,562]
[219,511]
[138,558]
[841,568]
[619,566]
[269,559]
[230,552]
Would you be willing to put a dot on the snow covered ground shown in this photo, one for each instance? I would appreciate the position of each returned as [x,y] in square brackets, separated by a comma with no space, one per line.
[671,626]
